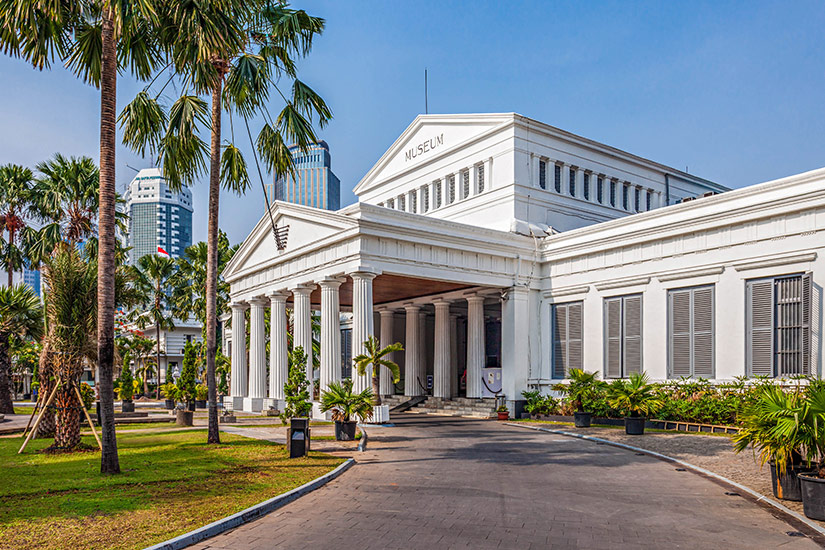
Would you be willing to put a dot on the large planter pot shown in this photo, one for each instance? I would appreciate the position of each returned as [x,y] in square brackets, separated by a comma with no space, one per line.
[170,404]
[813,496]
[787,486]
[200,403]
[582,419]
[190,406]
[127,406]
[345,431]
[183,418]
[634,425]
[504,415]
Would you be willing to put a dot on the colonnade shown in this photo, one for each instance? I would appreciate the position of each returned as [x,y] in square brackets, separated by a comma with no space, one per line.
[251,382]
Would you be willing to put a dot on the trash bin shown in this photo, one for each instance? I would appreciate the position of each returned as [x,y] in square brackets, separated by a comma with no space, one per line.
[298,437]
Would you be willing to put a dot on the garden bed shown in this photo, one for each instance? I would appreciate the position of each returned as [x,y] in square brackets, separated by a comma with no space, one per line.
[171,483]
[652,424]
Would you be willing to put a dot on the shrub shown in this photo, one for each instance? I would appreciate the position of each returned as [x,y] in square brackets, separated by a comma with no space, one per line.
[125,384]
[296,393]
[187,382]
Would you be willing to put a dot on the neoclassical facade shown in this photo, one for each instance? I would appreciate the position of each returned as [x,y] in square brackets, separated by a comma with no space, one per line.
[502,252]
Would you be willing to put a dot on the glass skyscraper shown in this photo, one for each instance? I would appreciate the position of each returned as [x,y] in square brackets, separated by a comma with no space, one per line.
[313,184]
[158,216]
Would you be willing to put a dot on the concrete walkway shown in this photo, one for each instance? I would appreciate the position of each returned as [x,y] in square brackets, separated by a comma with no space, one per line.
[437,482]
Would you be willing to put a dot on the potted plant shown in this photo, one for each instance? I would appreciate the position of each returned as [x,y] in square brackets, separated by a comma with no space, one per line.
[773,422]
[170,393]
[126,390]
[201,393]
[371,361]
[584,386]
[346,406]
[637,397]
[503,412]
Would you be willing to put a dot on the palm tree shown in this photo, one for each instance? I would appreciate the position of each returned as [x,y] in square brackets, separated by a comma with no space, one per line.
[96,39]
[16,197]
[21,318]
[261,42]
[373,358]
[153,274]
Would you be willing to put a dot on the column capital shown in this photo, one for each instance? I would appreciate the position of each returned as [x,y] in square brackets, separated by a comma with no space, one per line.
[411,308]
[333,283]
[276,297]
[239,305]
[474,298]
[305,289]
[442,303]
[257,301]
[363,274]
[386,312]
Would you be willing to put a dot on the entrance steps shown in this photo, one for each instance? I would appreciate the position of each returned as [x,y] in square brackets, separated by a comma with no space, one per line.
[458,406]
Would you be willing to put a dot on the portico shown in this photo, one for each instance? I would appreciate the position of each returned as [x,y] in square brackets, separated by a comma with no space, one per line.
[401,278]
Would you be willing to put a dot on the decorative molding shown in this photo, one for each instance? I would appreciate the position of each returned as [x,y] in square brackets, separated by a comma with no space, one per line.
[623,283]
[568,291]
[688,273]
[775,261]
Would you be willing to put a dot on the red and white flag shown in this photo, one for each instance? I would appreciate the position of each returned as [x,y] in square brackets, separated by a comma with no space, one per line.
[163,253]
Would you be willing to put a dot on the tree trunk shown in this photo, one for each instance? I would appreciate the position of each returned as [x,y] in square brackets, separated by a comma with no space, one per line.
[109,463]
[157,366]
[376,388]
[6,402]
[212,264]
[9,266]
[45,372]
[67,426]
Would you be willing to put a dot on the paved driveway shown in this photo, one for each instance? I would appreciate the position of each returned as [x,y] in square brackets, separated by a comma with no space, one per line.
[436,482]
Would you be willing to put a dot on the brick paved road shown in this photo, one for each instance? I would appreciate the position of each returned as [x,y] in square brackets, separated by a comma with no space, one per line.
[436,482]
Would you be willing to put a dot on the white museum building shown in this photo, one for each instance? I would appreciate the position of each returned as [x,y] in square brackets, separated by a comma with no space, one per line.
[503,252]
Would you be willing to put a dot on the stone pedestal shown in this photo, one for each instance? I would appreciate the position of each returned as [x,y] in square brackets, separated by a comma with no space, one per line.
[380,414]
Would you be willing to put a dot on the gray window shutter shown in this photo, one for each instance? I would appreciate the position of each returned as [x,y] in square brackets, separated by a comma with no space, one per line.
[559,340]
[632,334]
[613,337]
[806,322]
[759,319]
[703,341]
[680,334]
[574,336]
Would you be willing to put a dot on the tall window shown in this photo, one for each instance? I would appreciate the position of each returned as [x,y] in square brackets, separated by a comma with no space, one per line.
[402,202]
[778,318]
[346,353]
[451,189]
[480,178]
[413,202]
[567,338]
[612,193]
[626,196]
[600,189]
[465,184]
[586,186]
[623,335]
[425,197]
[437,188]
[557,177]
[542,174]
[391,203]
[690,313]
[648,200]
[572,176]
[637,199]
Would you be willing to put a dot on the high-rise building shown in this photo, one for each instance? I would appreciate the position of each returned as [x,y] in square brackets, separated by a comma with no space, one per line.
[159,218]
[313,183]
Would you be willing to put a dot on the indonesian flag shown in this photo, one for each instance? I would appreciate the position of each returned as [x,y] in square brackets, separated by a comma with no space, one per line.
[163,253]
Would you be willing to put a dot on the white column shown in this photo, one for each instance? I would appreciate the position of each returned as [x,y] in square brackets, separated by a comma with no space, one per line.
[515,327]
[302,321]
[387,318]
[473,180]
[278,361]
[257,349]
[453,355]
[422,347]
[441,369]
[488,174]
[475,344]
[412,355]
[330,333]
[237,380]
[362,322]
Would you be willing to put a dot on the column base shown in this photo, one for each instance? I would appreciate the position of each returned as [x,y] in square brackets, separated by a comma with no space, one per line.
[318,415]
[380,414]
[234,403]
[253,404]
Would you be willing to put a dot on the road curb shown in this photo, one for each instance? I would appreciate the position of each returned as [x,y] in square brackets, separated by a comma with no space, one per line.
[758,497]
[252,513]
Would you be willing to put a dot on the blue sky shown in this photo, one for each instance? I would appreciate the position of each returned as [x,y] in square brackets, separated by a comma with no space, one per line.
[735,92]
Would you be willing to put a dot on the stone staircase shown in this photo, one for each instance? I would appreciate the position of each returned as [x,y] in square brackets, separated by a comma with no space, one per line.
[393,400]
[459,406]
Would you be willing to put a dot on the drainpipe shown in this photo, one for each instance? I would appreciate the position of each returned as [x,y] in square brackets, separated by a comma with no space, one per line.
[667,189]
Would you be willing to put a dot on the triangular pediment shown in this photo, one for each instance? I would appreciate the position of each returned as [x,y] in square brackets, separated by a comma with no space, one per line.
[428,138]
[306,225]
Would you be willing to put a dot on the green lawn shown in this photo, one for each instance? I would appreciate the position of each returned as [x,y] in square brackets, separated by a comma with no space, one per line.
[171,483]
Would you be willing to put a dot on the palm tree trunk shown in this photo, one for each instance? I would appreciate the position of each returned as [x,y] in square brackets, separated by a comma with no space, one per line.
[67,427]
[109,462]
[45,372]
[212,265]
[6,404]
[9,266]
[157,366]
[376,387]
